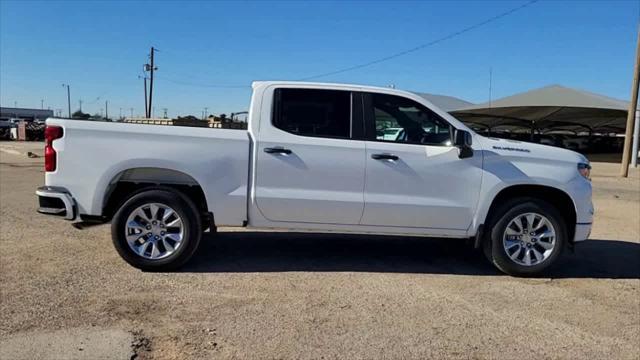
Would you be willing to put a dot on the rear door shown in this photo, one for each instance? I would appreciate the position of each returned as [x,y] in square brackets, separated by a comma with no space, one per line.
[415,179]
[310,167]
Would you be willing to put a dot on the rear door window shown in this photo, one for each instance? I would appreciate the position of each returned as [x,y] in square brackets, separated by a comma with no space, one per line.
[313,112]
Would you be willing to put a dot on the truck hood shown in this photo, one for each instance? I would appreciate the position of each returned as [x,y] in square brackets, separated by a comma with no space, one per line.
[514,148]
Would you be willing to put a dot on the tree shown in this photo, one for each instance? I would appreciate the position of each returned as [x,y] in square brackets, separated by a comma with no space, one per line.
[80,115]
[188,118]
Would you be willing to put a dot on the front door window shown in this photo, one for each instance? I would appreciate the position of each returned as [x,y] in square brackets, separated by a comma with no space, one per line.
[402,120]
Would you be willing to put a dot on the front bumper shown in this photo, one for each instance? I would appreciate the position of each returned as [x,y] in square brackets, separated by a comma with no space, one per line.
[56,201]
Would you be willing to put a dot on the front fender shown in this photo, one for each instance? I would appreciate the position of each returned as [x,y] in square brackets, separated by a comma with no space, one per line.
[502,171]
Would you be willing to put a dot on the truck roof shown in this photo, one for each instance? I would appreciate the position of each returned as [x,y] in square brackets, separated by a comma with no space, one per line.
[345,86]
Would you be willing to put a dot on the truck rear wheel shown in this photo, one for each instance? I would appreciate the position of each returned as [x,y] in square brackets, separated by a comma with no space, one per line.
[527,236]
[157,230]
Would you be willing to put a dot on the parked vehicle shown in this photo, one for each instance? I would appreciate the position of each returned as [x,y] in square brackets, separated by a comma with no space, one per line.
[9,123]
[575,143]
[311,160]
[605,144]
[389,134]
[550,140]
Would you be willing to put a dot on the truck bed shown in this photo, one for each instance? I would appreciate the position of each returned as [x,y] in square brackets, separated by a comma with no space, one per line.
[92,155]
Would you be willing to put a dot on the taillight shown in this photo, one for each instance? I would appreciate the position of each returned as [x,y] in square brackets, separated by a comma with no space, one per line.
[50,133]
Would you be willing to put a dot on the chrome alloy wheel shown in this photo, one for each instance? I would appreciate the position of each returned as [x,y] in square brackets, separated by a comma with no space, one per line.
[529,239]
[154,231]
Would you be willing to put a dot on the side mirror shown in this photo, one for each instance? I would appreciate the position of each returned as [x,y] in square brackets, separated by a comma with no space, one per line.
[463,140]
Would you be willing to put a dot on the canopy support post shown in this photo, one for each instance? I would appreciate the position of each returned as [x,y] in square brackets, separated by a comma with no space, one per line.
[533,129]
[626,150]
[634,147]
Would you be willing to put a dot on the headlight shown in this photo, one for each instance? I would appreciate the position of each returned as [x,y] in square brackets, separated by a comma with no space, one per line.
[585,170]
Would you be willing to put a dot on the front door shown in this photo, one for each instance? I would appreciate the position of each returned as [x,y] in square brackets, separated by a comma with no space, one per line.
[308,167]
[414,177]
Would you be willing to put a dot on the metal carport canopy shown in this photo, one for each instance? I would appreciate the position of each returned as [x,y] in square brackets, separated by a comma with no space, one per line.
[550,107]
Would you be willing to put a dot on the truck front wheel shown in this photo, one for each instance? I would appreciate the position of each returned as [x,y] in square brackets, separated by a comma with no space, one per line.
[157,230]
[527,236]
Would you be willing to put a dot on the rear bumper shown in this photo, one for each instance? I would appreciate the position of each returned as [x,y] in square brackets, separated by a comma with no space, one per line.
[582,232]
[56,201]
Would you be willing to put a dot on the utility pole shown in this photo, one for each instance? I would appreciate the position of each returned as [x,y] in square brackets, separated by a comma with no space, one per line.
[151,68]
[106,109]
[120,117]
[144,78]
[146,102]
[42,104]
[68,98]
[131,111]
[151,80]
[626,150]
[205,113]
[80,102]
[164,110]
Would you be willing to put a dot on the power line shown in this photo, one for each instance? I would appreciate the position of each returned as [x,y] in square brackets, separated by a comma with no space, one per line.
[376,61]
[431,43]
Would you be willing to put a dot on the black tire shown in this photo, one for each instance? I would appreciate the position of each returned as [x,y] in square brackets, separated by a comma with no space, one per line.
[182,205]
[494,249]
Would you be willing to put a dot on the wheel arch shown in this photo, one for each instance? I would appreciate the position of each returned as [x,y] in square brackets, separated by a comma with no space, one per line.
[554,196]
[130,181]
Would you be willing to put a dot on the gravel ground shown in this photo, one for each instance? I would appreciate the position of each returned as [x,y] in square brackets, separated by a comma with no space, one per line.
[285,295]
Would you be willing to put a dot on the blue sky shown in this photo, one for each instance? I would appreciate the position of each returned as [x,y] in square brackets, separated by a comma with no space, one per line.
[99,48]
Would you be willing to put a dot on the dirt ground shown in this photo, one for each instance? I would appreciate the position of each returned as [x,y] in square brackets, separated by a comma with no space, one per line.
[65,293]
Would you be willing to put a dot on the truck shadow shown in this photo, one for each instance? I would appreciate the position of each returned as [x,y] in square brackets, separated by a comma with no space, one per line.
[290,251]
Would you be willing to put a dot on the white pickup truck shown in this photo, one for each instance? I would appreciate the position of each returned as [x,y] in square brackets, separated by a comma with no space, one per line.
[315,158]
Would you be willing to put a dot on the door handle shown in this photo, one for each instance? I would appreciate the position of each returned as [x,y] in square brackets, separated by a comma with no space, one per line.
[277,150]
[384,157]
